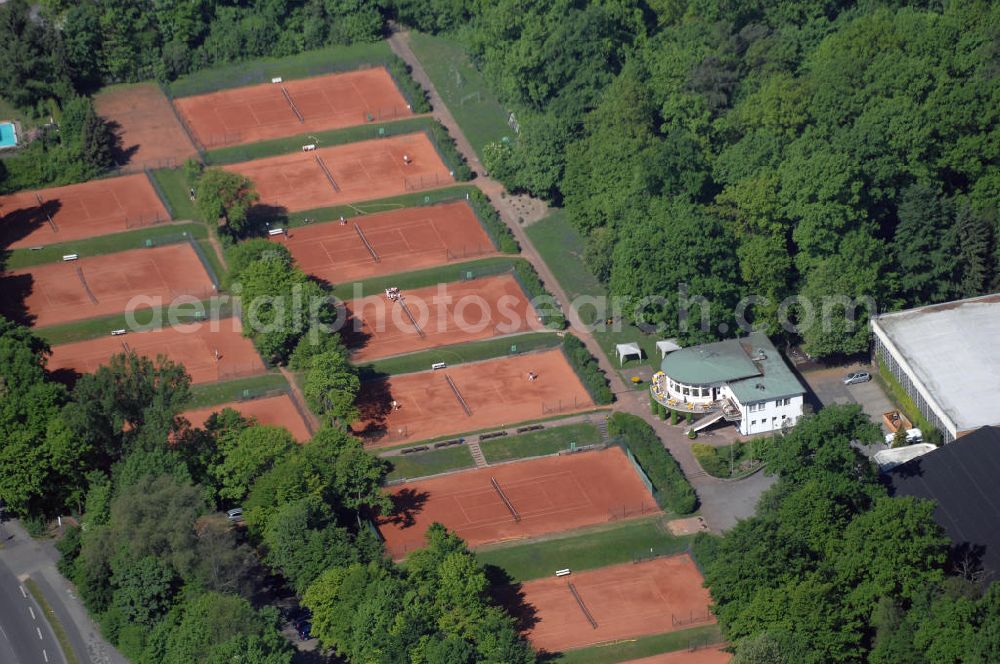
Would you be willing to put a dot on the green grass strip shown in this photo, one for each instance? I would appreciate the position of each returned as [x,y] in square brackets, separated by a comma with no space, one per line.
[172,185]
[644,646]
[423,464]
[54,622]
[539,443]
[441,274]
[213,394]
[323,139]
[416,199]
[476,109]
[302,65]
[145,319]
[562,247]
[105,244]
[473,351]
[621,542]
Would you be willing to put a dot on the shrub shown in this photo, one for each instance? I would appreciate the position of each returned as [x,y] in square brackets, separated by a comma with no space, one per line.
[498,231]
[448,151]
[673,491]
[415,95]
[551,316]
[587,369]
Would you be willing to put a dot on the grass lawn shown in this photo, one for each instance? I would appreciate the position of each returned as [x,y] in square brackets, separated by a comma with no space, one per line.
[621,542]
[212,394]
[644,646]
[105,244]
[278,146]
[461,86]
[562,248]
[430,463]
[539,443]
[144,319]
[172,186]
[443,195]
[302,65]
[433,276]
[460,354]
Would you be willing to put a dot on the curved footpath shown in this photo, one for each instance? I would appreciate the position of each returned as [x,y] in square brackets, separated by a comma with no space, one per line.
[722,502]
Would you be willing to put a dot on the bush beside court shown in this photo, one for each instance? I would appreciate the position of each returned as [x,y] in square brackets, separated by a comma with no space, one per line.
[673,491]
[587,369]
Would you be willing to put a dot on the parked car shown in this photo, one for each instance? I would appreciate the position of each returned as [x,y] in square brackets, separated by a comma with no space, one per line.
[857,377]
[912,436]
[235,514]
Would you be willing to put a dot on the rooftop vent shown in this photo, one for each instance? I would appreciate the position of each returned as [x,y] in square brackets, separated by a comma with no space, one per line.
[760,386]
[759,355]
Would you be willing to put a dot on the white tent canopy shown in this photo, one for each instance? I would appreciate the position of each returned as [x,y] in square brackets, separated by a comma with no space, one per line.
[667,346]
[628,350]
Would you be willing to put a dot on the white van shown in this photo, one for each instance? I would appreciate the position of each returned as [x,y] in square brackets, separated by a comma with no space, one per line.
[912,436]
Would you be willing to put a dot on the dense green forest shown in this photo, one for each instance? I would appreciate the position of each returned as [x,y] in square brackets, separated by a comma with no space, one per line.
[800,154]
[162,569]
[832,569]
[755,148]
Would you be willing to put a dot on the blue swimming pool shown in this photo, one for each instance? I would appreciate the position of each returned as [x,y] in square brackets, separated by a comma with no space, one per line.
[8,136]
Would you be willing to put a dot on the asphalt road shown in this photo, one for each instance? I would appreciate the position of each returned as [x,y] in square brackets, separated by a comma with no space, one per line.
[25,636]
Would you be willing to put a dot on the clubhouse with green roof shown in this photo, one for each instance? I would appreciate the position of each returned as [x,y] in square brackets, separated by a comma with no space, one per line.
[744,381]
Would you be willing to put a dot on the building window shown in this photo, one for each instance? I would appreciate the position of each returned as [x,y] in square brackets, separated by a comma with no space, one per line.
[783,402]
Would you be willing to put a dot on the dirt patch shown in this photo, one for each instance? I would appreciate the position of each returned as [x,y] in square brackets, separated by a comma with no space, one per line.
[151,135]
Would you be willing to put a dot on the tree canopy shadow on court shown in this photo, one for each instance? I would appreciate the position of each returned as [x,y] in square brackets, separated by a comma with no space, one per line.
[374,405]
[509,594]
[14,292]
[18,224]
[406,505]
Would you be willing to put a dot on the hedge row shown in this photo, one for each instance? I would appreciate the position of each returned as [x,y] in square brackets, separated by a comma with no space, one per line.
[587,369]
[415,95]
[498,231]
[448,152]
[550,314]
[673,490]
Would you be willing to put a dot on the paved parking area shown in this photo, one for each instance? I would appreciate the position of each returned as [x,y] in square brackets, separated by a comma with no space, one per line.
[828,388]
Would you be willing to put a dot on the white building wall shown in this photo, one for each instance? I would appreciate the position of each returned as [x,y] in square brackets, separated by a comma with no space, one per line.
[770,415]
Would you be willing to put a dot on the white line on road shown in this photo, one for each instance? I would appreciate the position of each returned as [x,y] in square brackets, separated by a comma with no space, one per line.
[23,594]
[39,630]
[4,632]
[45,655]
[32,612]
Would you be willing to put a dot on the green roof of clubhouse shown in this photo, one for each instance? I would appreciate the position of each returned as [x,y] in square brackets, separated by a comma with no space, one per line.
[752,367]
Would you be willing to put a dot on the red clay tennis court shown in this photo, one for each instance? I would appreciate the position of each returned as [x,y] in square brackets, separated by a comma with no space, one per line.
[401,240]
[347,173]
[709,655]
[78,211]
[273,110]
[90,287]
[276,411]
[436,316]
[495,392]
[547,495]
[623,601]
[151,135]
[193,345]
